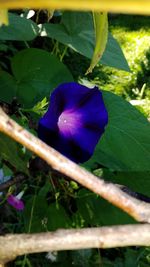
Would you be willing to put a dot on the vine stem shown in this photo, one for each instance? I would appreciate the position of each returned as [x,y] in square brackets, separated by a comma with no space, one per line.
[63,53]
[139,210]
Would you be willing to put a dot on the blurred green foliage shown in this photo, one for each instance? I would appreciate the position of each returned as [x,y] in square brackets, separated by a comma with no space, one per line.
[133,34]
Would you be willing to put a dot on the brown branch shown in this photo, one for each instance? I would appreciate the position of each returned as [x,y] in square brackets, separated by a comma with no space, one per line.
[18,178]
[126,6]
[136,208]
[104,237]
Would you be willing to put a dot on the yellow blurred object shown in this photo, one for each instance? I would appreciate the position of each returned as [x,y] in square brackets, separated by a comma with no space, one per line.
[4,17]
[117,6]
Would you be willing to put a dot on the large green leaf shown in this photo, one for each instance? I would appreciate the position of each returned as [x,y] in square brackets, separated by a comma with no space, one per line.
[76,30]
[126,142]
[37,73]
[19,29]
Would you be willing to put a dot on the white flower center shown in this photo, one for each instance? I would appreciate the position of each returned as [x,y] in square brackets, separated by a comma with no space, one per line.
[69,122]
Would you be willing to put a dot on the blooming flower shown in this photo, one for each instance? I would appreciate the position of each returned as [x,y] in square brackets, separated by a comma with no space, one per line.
[75,121]
[15,201]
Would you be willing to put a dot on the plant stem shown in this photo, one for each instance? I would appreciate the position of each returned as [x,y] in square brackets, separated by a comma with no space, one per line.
[63,54]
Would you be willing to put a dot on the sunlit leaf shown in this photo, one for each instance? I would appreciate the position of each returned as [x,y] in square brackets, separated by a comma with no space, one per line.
[101,35]
[79,36]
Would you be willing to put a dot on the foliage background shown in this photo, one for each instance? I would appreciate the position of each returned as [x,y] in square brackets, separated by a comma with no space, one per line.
[37,54]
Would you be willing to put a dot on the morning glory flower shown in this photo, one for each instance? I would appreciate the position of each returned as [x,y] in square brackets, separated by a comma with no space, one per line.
[15,201]
[75,121]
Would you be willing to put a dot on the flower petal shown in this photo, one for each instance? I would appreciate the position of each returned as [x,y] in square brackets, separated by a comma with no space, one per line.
[15,202]
[70,95]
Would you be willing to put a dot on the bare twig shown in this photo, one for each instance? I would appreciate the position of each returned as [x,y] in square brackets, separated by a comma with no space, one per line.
[18,178]
[104,237]
[134,194]
[136,208]
[128,6]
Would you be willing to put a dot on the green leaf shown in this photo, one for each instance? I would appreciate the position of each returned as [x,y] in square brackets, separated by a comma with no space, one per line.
[125,144]
[45,189]
[113,55]
[132,258]
[36,207]
[19,29]
[57,217]
[8,87]
[101,33]
[96,211]
[136,181]
[11,152]
[81,258]
[37,73]
[78,35]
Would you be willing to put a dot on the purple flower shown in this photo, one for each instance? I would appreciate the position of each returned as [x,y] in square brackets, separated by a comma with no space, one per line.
[75,121]
[15,201]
